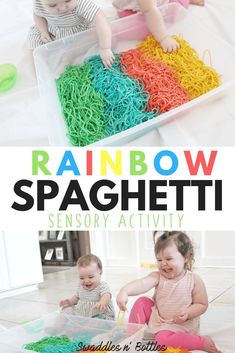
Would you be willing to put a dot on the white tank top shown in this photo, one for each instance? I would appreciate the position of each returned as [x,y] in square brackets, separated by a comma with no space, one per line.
[171,297]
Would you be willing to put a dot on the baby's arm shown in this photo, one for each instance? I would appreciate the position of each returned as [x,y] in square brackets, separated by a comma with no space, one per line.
[157,26]
[41,25]
[200,299]
[199,302]
[65,303]
[105,37]
[136,287]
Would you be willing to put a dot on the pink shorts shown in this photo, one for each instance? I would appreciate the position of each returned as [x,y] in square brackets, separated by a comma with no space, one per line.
[124,13]
[184,3]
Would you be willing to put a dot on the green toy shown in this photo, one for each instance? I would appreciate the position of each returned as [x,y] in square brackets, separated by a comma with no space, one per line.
[8,76]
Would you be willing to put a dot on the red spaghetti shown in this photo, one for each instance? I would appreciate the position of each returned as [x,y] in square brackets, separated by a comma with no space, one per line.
[158,79]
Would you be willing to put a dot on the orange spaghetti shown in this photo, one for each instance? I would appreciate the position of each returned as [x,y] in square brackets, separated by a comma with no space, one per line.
[158,79]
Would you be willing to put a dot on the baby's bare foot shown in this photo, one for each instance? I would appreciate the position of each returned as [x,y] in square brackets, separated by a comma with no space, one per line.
[198,2]
[209,346]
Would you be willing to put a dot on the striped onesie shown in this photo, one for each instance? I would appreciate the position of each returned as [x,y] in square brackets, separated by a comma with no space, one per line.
[63,25]
[88,299]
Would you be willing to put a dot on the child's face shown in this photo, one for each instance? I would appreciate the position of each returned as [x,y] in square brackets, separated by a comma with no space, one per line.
[171,262]
[59,7]
[89,276]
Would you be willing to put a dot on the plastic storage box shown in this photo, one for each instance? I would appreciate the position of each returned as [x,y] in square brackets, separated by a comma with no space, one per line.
[77,328]
[217,322]
[51,60]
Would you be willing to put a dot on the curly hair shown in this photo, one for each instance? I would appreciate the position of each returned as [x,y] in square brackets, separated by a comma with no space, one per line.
[86,260]
[182,242]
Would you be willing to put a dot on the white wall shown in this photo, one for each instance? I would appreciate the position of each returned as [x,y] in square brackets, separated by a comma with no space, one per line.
[116,248]
[4,276]
[20,261]
[136,248]
[217,249]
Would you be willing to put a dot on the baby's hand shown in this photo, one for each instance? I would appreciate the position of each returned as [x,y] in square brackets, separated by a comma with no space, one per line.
[107,57]
[45,37]
[169,44]
[100,306]
[180,318]
[65,304]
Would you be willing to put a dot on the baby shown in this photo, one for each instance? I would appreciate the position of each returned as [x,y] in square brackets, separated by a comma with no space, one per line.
[55,19]
[93,296]
[179,300]
[153,17]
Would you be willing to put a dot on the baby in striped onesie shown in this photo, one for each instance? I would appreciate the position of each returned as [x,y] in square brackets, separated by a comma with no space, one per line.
[56,19]
[93,297]
[179,300]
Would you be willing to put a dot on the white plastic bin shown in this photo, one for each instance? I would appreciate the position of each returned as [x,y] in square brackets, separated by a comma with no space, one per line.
[51,59]
[73,326]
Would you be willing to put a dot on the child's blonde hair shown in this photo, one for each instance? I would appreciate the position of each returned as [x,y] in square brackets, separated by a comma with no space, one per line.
[86,260]
[182,242]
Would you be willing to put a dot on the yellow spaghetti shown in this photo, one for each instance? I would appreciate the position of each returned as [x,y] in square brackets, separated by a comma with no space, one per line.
[194,76]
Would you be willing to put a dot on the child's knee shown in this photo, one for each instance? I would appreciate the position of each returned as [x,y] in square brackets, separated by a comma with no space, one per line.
[143,302]
[164,338]
[159,338]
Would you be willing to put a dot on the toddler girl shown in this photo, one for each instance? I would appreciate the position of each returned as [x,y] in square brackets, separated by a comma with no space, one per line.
[93,296]
[55,19]
[153,18]
[180,297]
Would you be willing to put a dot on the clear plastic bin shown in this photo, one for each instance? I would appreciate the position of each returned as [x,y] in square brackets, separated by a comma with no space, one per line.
[51,60]
[77,328]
